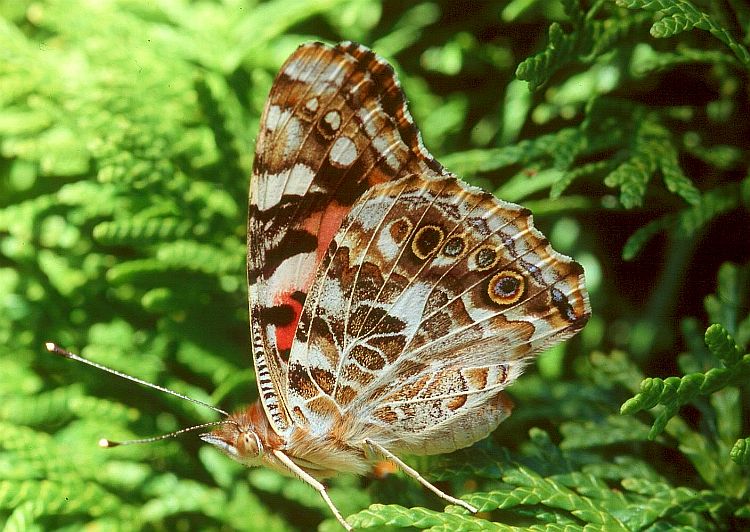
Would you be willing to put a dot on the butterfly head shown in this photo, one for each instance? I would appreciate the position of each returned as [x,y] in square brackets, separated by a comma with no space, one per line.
[238,441]
[245,436]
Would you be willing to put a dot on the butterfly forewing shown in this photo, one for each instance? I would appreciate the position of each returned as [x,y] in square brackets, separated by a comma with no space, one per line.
[335,125]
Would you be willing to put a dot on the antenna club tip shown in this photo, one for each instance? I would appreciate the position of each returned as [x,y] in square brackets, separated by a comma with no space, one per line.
[52,347]
[106,444]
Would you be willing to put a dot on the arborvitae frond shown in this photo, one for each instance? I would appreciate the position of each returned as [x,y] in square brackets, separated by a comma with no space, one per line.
[613,429]
[686,223]
[649,61]
[633,175]
[212,363]
[729,305]
[663,500]
[204,258]
[142,231]
[590,38]
[717,454]
[676,16]
[722,345]
[674,392]
[379,515]
[61,405]
[740,452]
[590,169]
[530,488]
[135,270]
[544,147]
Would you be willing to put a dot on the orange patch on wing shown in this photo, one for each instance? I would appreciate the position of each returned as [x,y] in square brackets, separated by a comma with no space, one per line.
[477,377]
[457,402]
[285,333]
[325,224]
[503,402]
[386,414]
[323,406]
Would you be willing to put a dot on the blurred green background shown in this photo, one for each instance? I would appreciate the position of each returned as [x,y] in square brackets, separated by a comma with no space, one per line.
[126,143]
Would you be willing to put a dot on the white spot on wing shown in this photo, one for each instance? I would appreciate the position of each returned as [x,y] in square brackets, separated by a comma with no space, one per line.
[273,186]
[343,152]
[380,143]
[300,179]
[373,212]
[295,273]
[302,69]
[298,69]
[293,137]
[275,116]
[365,115]
[333,118]
[312,104]
[270,189]
[331,297]
[387,246]
[333,71]
[410,304]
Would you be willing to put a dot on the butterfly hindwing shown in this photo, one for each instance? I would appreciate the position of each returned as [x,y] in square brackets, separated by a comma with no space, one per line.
[430,301]
[335,125]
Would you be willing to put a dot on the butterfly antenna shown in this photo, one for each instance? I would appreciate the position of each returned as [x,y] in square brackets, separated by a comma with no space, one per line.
[57,350]
[110,443]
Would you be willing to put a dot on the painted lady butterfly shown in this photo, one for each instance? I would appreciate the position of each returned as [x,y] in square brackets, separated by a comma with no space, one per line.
[390,303]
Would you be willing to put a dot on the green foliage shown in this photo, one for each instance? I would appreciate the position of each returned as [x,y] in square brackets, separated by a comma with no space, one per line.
[719,457]
[673,393]
[676,16]
[126,142]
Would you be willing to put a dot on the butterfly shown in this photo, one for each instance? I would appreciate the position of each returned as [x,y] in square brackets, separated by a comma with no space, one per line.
[390,302]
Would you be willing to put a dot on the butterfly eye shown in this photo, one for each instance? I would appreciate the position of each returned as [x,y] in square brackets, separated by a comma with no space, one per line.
[250,444]
[427,241]
[506,287]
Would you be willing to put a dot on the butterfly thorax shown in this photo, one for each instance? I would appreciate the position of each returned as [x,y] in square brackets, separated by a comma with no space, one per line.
[248,438]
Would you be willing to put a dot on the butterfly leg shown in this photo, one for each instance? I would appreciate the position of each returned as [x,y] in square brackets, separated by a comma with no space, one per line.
[303,475]
[419,478]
